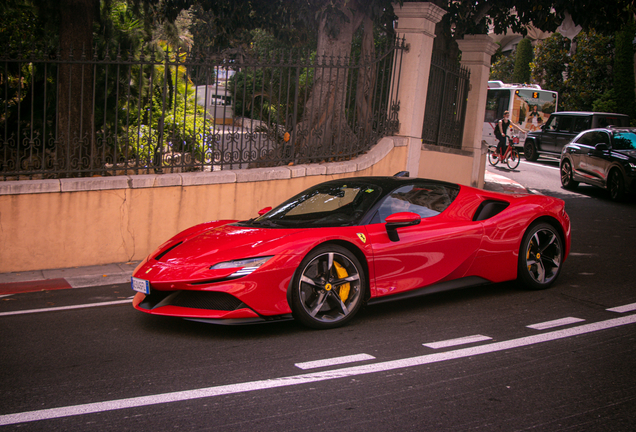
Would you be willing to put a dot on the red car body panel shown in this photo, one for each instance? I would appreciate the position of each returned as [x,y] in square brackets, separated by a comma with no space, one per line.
[441,248]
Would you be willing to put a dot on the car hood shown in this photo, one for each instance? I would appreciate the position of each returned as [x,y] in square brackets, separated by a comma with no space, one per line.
[630,153]
[191,257]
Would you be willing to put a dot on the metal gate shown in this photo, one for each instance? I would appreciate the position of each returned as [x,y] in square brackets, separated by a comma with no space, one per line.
[448,86]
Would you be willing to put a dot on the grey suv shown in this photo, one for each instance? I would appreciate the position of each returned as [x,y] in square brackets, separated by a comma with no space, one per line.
[604,157]
[562,126]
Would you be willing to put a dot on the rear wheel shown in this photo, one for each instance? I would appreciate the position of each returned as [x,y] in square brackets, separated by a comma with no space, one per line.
[493,157]
[616,185]
[513,159]
[530,151]
[567,175]
[540,256]
[328,288]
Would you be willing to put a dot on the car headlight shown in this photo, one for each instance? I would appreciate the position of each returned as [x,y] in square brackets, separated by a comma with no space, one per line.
[245,266]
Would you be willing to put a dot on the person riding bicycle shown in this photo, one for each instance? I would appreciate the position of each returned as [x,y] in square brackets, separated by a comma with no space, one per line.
[501,131]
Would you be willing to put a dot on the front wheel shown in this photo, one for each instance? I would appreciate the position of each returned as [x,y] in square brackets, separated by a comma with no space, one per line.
[328,288]
[530,151]
[567,175]
[540,256]
[513,159]
[493,157]
[616,185]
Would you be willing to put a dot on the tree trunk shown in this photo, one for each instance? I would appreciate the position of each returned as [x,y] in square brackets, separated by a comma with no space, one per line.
[324,125]
[75,128]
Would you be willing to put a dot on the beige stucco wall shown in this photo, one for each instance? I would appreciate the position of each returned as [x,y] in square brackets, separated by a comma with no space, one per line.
[440,163]
[124,219]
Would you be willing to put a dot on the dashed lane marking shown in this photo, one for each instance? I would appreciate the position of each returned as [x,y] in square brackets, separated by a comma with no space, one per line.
[458,341]
[334,361]
[555,323]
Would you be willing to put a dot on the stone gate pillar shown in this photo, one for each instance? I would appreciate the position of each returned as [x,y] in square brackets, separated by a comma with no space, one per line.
[416,23]
[476,53]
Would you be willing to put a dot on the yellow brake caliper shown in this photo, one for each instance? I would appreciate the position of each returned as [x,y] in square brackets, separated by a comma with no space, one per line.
[344,289]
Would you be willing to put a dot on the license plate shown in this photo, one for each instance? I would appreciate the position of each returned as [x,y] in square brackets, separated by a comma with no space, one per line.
[140,285]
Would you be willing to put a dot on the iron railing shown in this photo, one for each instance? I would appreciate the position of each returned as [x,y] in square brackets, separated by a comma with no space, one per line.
[445,104]
[70,115]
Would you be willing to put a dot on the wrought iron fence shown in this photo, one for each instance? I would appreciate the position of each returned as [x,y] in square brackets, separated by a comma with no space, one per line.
[70,115]
[445,104]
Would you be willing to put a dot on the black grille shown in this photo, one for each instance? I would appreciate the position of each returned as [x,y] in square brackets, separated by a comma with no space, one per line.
[207,300]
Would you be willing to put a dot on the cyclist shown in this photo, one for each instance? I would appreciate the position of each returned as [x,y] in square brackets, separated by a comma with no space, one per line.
[501,132]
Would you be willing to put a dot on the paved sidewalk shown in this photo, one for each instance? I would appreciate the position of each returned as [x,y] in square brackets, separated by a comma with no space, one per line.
[498,183]
[81,277]
[76,277]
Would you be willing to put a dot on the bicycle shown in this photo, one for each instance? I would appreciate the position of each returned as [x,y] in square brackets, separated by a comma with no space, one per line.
[510,156]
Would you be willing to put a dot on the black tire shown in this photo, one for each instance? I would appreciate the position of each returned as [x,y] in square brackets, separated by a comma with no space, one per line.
[530,151]
[492,157]
[328,288]
[513,159]
[540,256]
[616,185]
[567,175]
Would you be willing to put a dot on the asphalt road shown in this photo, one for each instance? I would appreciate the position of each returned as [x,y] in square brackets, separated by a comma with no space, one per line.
[85,366]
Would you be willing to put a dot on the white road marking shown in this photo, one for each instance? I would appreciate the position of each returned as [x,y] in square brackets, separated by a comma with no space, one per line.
[555,323]
[137,402]
[334,361]
[458,341]
[540,165]
[61,308]
[5,295]
[623,309]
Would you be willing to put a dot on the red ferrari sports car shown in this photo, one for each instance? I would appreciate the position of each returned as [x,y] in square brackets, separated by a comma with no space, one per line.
[323,253]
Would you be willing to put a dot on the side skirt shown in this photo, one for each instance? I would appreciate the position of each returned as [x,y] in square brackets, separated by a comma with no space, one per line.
[435,288]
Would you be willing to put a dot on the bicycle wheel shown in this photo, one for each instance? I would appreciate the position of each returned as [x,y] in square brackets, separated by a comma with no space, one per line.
[493,157]
[513,159]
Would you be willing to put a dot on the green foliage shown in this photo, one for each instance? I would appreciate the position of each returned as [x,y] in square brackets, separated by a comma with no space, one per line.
[268,94]
[606,103]
[550,62]
[503,67]
[523,58]
[590,71]
[624,71]
[169,120]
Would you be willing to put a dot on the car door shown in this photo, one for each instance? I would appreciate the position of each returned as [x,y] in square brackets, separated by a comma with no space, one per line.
[551,132]
[426,253]
[597,162]
[581,145]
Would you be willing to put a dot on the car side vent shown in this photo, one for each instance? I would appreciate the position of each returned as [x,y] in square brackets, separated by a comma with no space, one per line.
[488,209]
[162,254]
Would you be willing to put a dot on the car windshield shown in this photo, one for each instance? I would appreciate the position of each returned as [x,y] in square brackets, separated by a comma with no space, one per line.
[624,140]
[332,204]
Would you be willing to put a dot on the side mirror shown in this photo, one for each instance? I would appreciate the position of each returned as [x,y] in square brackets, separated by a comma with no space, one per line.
[601,147]
[400,220]
[261,212]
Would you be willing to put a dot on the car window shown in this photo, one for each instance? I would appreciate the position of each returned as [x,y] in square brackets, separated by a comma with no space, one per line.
[581,124]
[624,141]
[425,199]
[552,124]
[587,139]
[565,123]
[594,137]
[330,204]
[605,121]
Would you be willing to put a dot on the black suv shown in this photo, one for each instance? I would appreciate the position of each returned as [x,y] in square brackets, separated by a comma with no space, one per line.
[562,126]
[604,157]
